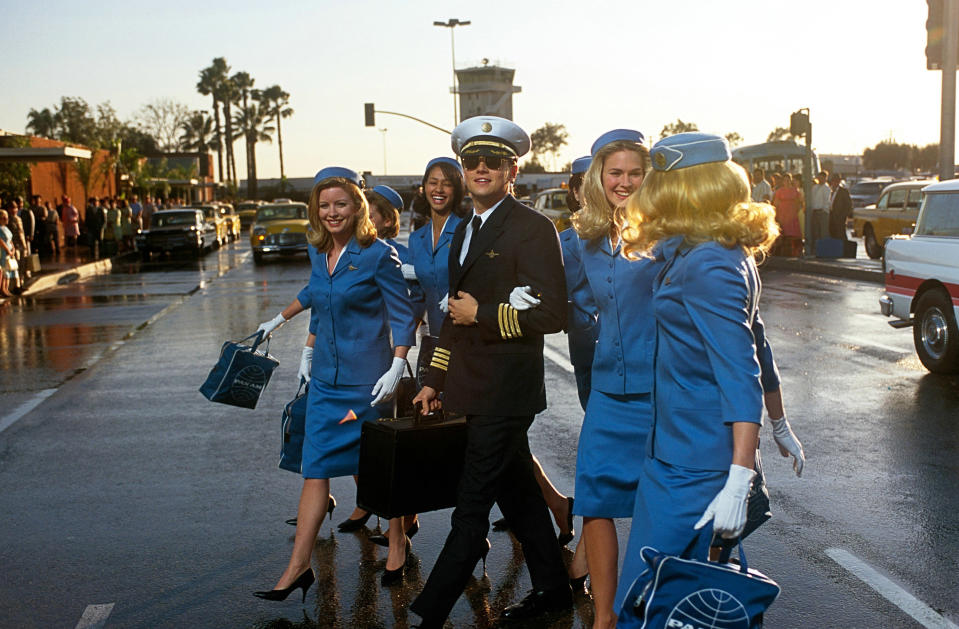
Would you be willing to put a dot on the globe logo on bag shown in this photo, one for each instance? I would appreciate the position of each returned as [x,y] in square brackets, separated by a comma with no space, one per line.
[247,384]
[708,609]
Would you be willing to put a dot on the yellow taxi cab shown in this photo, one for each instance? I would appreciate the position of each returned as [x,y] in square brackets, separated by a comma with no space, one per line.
[247,212]
[894,213]
[212,215]
[280,228]
[233,222]
[551,203]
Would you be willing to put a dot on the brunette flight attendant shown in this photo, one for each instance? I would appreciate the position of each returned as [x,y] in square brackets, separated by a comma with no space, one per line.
[358,300]
[694,211]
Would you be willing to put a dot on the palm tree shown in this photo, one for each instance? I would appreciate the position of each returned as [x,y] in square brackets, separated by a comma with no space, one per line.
[226,92]
[277,102]
[210,78]
[198,134]
[253,122]
[244,83]
[41,123]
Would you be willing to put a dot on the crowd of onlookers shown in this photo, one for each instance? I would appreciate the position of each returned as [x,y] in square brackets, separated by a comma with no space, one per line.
[43,228]
[828,201]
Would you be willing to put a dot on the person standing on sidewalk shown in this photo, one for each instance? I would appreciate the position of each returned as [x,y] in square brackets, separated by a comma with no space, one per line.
[70,217]
[489,363]
[29,223]
[840,207]
[96,219]
[819,199]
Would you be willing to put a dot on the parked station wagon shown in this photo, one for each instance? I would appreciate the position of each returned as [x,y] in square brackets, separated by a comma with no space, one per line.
[922,279]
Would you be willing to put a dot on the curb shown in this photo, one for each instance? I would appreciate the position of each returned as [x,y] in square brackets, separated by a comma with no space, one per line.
[821,267]
[51,280]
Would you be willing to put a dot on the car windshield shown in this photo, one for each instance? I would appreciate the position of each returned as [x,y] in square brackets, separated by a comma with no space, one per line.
[176,218]
[868,187]
[247,206]
[281,212]
[209,212]
[940,215]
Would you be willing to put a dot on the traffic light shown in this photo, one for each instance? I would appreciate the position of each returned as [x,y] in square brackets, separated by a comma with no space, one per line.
[799,123]
[935,34]
[369,114]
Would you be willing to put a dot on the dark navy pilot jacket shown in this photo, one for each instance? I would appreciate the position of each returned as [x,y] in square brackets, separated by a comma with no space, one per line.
[354,311]
[706,300]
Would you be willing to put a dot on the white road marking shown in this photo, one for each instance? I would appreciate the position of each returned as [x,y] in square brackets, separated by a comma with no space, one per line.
[561,361]
[95,616]
[922,613]
[855,340]
[25,408]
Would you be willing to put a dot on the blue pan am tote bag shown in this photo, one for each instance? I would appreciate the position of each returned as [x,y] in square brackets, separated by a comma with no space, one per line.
[241,373]
[294,430]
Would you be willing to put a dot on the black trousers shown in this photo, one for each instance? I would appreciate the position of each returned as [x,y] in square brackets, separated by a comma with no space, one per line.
[498,468]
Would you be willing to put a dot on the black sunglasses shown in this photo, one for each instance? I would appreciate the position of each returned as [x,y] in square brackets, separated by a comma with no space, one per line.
[471,162]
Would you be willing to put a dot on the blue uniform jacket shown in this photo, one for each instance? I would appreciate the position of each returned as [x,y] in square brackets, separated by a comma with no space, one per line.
[705,300]
[354,311]
[621,293]
[582,326]
[432,268]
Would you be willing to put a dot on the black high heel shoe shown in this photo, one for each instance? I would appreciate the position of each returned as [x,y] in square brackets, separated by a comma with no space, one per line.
[392,576]
[566,538]
[348,525]
[383,540]
[329,511]
[303,581]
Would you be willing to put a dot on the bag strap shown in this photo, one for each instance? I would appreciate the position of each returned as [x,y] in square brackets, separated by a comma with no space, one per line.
[258,336]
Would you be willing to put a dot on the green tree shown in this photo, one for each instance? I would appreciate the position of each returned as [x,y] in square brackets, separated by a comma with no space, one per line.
[679,126]
[253,123]
[209,85]
[779,134]
[547,142]
[532,165]
[14,175]
[277,102]
[197,132]
[41,123]
[888,155]
[243,84]
[74,122]
[734,138]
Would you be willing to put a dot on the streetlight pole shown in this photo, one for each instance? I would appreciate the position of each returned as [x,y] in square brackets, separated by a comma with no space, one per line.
[451,24]
[383,131]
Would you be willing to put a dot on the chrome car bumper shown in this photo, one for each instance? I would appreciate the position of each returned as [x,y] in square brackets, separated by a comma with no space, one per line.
[885,305]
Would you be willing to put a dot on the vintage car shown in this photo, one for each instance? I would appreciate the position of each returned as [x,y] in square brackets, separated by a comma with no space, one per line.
[234,224]
[247,211]
[279,229]
[212,215]
[552,204]
[177,230]
[922,279]
[894,213]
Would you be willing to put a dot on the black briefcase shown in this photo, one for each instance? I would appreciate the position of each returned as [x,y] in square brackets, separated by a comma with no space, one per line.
[410,465]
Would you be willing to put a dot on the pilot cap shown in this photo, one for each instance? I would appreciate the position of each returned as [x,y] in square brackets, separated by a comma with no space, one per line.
[489,136]
[689,149]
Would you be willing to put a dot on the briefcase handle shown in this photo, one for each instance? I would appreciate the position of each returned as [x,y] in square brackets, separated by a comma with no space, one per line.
[409,370]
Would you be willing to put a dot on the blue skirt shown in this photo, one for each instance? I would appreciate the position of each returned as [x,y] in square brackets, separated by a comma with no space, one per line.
[332,449]
[670,501]
[612,447]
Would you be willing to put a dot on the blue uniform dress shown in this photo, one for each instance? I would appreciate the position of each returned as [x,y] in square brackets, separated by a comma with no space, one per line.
[707,377]
[354,311]
[432,268]
[612,441]
[581,325]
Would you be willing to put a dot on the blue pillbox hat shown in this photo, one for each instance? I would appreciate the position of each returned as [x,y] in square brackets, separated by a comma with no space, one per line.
[689,149]
[443,160]
[338,171]
[581,164]
[392,196]
[625,135]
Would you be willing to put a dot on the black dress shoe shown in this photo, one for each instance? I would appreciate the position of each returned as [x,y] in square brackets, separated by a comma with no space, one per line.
[567,537]
[539,602]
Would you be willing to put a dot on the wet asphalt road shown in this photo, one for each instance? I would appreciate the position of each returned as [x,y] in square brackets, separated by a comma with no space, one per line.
[123,486]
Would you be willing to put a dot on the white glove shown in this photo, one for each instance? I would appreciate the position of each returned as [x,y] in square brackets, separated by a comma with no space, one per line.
[306,359]
[522,298]
[385,387]
[274,323]
[409,272]
[444,303]
[728,508]
[788,443]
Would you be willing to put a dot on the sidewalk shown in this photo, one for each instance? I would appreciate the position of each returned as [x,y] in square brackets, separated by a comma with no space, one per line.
[69,265]
[862,267]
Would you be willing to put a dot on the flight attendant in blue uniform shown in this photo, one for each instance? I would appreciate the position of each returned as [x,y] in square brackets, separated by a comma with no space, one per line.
[385,204]
[619,410]
[694,210]
[358,299]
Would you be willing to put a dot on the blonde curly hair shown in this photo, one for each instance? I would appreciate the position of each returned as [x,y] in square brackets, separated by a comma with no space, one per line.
[701,203]
[598,214]
[363,228]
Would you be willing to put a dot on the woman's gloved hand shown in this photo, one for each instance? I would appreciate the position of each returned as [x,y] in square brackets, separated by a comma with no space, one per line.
[788,443]
[306,359]
[728,509]
[385,387]
[444,303]
[522,298]
[269,326]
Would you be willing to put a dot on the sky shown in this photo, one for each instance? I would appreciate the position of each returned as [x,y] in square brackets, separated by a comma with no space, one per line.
[738,65]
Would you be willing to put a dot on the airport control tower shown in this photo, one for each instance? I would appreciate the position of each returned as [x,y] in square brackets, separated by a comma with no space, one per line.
[486,90]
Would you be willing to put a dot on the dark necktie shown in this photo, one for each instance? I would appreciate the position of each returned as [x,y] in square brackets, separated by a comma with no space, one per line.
[474,238]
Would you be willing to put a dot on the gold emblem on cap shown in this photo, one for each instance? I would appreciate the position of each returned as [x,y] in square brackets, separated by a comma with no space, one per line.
[487,127]
[660,160]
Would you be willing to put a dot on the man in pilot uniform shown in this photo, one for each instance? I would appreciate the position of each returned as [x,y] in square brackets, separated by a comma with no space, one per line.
[489,364]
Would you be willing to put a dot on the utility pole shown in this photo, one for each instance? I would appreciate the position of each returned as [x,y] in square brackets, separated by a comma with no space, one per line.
[451,24]
[799,124]
[383,131]
[947,120]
